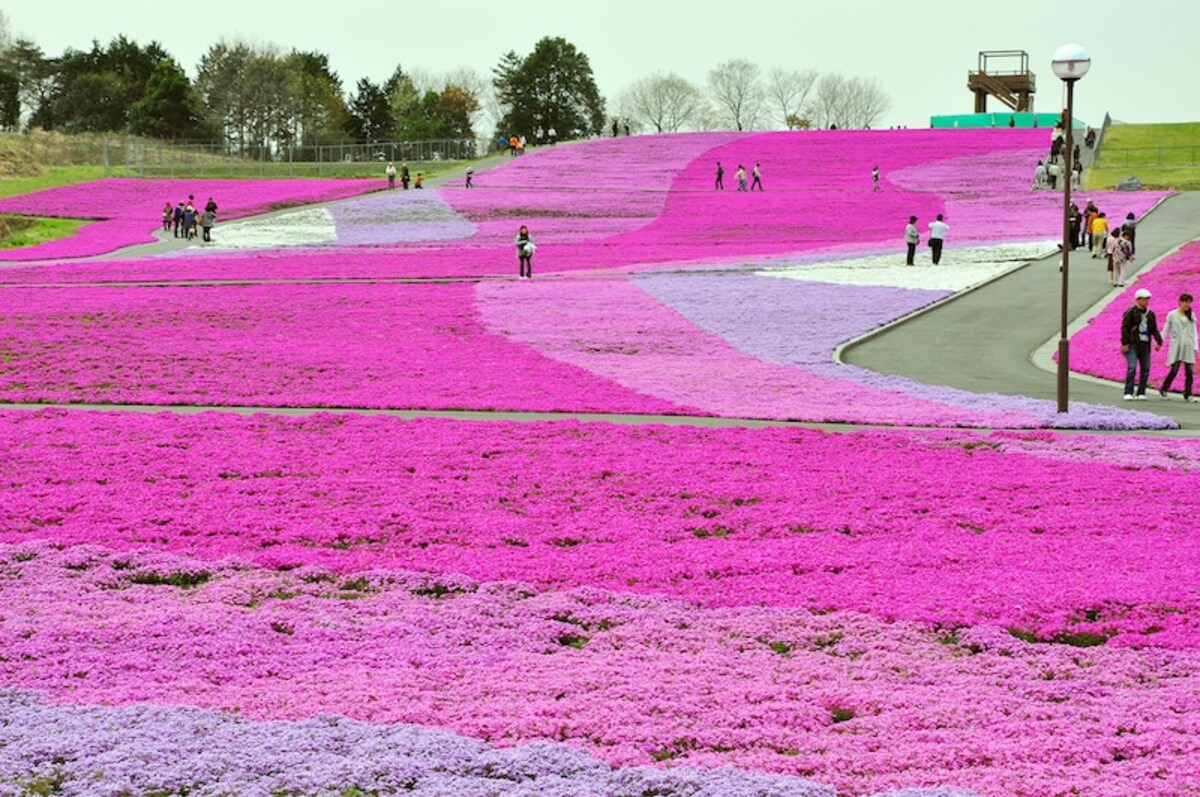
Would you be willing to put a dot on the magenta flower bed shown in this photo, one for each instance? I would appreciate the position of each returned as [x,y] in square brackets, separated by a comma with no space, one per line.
[841,608]
[728,517]
[589,210]
[127,210]
[379,346]
[1096,349]
[574,346]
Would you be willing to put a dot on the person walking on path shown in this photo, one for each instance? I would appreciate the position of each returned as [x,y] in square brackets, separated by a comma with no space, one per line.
[1130,226]
[168,213]
[470,177]
[1138,329]
[720,186]
[937,236]
[1073,225]
[1089,219]
[741,177]
[525,249]
[911,238]
[1099,235]
[757,174]
[177,217]
[1180,328]
[875,179]
[1119,258]
[405,177]
[1039,176]
[207,220]
[391,175]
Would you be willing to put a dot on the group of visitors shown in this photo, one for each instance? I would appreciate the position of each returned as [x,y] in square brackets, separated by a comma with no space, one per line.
[756,174]
[937,237]
[1051,172]
[1139,331]
[184,218]
[405,177]
[1090,228]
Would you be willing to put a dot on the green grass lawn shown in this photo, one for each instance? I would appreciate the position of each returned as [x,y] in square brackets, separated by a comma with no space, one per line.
[20,231]
[1160,155]
[53,177]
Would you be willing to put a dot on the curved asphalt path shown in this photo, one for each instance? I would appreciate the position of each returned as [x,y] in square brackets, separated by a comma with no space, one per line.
[993,339]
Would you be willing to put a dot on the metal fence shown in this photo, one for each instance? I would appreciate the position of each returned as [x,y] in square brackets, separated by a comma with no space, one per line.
[141,158]
[1117,157]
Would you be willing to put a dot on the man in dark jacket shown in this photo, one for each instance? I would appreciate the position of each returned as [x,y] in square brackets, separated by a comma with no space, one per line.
[1138,329]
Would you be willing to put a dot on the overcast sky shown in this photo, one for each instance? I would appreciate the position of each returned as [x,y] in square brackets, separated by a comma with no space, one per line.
[1144,68]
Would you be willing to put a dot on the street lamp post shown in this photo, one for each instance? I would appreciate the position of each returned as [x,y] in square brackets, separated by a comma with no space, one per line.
[1070,63]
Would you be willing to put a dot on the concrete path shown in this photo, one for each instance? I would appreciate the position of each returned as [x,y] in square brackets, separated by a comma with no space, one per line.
[994,338]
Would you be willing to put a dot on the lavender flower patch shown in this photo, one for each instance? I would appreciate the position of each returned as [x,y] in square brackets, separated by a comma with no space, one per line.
[794,323]
[94,750]
[398,217]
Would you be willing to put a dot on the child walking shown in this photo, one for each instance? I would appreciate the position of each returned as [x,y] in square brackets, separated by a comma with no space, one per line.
[1181,329]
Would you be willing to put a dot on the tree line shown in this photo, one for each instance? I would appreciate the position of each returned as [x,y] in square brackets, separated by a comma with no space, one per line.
[259,98]
[739,95]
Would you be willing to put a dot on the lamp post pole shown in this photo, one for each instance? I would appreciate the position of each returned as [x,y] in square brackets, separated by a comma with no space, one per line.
[1064,345]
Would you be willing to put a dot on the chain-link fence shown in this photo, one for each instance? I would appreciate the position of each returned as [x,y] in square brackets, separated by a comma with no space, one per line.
[141,158]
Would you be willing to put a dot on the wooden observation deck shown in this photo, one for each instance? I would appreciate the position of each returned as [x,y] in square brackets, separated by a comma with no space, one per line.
[1005,75]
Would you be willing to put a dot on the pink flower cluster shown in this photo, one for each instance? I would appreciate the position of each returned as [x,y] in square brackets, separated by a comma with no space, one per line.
[599,206]
[1096,349]
[128,209]
[945,529]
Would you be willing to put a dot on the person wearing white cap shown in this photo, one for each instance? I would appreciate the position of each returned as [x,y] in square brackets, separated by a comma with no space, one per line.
[1138,329]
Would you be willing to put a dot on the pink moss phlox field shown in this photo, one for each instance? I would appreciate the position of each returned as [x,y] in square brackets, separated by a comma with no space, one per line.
[1096,349]
[376,346]
[733,367]
[818,197]
[988,198]
[841,698]
[129,209]
[945,529]
[581,191]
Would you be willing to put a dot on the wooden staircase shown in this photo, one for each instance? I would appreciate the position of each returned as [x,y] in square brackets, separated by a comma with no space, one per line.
[1014,86]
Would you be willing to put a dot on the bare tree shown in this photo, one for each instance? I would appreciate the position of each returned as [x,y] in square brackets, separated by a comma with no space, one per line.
[6,35]
[848,102]
[737,92]
[667,103]
[788,91]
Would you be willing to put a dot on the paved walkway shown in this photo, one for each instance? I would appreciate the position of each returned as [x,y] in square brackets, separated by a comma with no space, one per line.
[993,339]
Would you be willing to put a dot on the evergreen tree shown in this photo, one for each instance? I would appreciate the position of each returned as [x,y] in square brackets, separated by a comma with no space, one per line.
[170,108]
[553,87]
[369,114]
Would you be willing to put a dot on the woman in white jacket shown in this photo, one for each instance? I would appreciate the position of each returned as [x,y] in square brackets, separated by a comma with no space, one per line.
[1181,329]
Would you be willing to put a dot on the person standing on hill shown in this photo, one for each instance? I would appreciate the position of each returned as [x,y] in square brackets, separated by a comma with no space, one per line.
[390,171]
[937,236]
[757,175]
[525,249]
[168,213]
[720,177]
[177,217]
[405,176]
[1180,327]
[911,238]
[189,221]
[1138,329]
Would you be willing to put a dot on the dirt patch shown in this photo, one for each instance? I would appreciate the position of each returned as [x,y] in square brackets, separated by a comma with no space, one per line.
[10,225]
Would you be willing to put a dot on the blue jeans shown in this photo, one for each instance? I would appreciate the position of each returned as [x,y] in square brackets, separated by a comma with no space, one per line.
[1138,354]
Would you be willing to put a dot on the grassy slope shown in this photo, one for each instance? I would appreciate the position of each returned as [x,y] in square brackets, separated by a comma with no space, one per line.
[41,231]
[1134,149]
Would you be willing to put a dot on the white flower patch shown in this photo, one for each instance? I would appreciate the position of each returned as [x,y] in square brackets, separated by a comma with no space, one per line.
[960,268]
[306,227]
